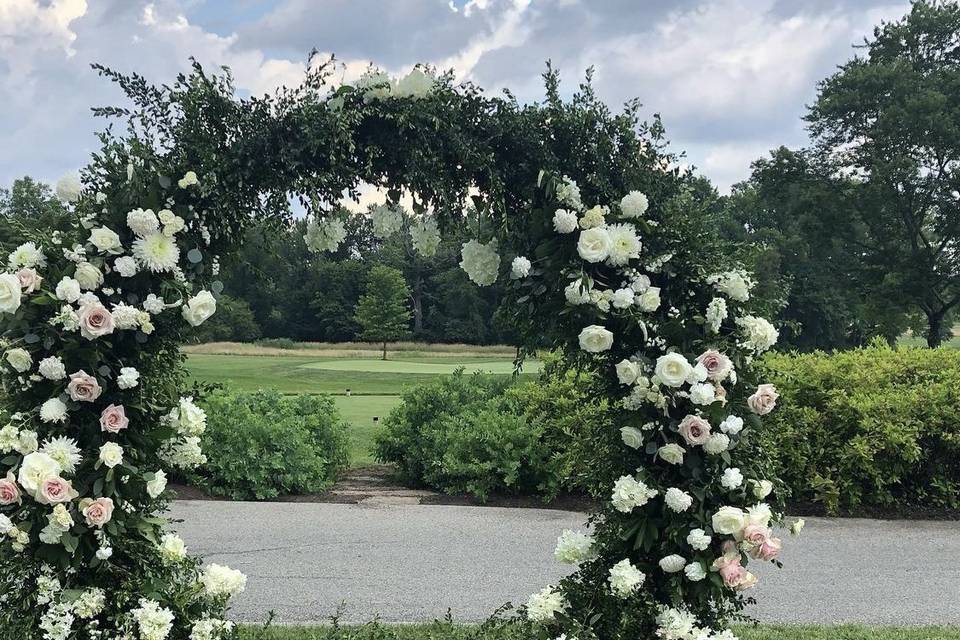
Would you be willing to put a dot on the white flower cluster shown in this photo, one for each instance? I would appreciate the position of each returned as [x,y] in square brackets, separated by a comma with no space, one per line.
[377,85]
[573,547]
[387,220]
[218,580]
[480,261]
[326,235]
[425,237]
[545,604]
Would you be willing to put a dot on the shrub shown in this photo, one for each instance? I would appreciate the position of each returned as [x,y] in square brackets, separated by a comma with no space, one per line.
[233,322]
[482,435]
[867,427]
[263,445]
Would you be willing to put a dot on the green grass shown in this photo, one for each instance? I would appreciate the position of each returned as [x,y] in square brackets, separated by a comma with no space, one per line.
[359,411]
[446,631]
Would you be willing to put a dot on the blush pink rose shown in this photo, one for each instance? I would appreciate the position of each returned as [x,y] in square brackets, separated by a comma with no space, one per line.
[718,366]
[9,491]
[769,549]
[95,321]
[763,400]
[29,280]
[114,419]
[755,534]
[55,490]
[695,430]
[98,512]
[730,570]
[83,387]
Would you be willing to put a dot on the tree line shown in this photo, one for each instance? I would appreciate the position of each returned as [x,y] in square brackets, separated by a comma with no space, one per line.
[852,237]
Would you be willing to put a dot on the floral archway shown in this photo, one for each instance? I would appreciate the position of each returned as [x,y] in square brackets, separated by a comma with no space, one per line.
[577,206]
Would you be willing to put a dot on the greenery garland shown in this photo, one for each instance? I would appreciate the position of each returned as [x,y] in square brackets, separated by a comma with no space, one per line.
[605,263]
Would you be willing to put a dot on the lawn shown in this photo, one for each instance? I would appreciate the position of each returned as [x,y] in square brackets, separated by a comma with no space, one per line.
[446,631]
[360,411]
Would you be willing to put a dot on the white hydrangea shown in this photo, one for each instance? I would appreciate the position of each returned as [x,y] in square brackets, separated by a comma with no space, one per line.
[325,236]
[672,563]
[387,220]
[675,624]
[425,237]
[183,453]
[758,334]
[564,221]
[125,316]
[153,621]
[573,547]
[90,603]
[633,205]
[172,548]
[731,478]
[735,284]
[57,622]
[677,500]
[218,580]
[481,262]
[129,378]
[545,605]
[624,244]
[375,85]
[188,418]
[520,268]
[629,493]
[416,84]
[716,314]
[210,629]
[625,578]
[577,292]
[698,539]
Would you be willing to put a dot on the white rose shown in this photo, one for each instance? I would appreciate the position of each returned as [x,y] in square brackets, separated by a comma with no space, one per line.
[594,244]
[759,514]
[671,453]
[88,276]
[698,539]
[10,293]
[199,308]
[761,488]
[728,521]
[595,339]
[35,468]
[695,572]
[188,179]
[649,300]
[111,454]
[19,359]
[673,369]
[632,437]
[627,371]
[172,548]
[126,266]
[564,221]
[157,485]
[672,563]
[677,500]
[520,268]
[68,187]
[717,443]
[731,478]
[105,240]
[68,289]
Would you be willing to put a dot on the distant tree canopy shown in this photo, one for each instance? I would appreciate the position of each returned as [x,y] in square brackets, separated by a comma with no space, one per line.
[383,311]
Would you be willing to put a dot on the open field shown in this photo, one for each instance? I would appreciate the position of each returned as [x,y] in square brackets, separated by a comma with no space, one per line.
[349,349]
[445,631]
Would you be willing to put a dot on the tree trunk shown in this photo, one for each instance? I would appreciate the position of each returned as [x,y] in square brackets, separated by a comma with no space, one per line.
[384,349]
[418,306]
[934,329]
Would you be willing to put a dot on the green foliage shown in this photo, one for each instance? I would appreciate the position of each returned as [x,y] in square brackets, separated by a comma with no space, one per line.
[262,445]
[383,312]
[481,435]
[867,427]
[233,322]
[28,206]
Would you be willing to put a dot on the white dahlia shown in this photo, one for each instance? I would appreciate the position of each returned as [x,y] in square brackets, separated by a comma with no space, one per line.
[156,252]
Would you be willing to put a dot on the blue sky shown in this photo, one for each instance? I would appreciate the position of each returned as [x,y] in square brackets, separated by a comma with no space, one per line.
[730,78]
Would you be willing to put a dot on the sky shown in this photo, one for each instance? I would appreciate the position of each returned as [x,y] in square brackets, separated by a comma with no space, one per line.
[730,78]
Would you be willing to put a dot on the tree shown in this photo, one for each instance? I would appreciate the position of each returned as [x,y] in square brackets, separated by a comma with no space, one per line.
[28,204]
[383,312]
[890,120]
[233,322]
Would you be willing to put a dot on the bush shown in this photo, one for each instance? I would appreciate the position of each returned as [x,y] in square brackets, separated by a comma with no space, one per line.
[867,427]
[233,322]
[482,435]
[263,445]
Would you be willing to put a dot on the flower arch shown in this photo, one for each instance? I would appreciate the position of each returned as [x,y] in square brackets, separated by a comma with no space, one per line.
[606,266]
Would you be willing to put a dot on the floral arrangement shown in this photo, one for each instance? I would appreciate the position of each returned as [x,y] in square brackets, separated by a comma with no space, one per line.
[90,319]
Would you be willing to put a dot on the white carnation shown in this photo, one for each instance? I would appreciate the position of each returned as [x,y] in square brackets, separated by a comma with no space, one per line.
[52,368]
[520,268]
[731,478]
[153,304]
[702,393]
[67,289]
[717,443]
[564,221]
[126,266]
[732,425]
[577,292]
[695,572]
[677,500]
[622,298]
[698,539]
[129,378]
[672,563]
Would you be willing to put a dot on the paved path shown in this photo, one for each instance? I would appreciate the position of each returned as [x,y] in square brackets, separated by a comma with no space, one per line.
[408,563]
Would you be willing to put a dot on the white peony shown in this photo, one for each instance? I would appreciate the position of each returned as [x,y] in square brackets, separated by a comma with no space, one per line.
[594,244]
[105,240]
[677,500]
[88,276]
[761,488]
[10,293]
[731,478]
[520,268]
[111,454]
[698,539]
[695,572]
[481,262]
[673,369]
[624,244]
[218,580]
[19,359]
[632,437]
[53,410]
[625,578]
[633,205]
[595,339]
[649,300]
[68,187]
[156,252]
[672,563]
[732,425]
[758,334]
[157,484]
[35,468]
[545,605]
[728,520]
[629,493]
[143,222]
[387,220]
[126,266]
[627,371]
[128,378]
[573,547]
[564,221]
[425,237]
[52,368]
[199,308]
